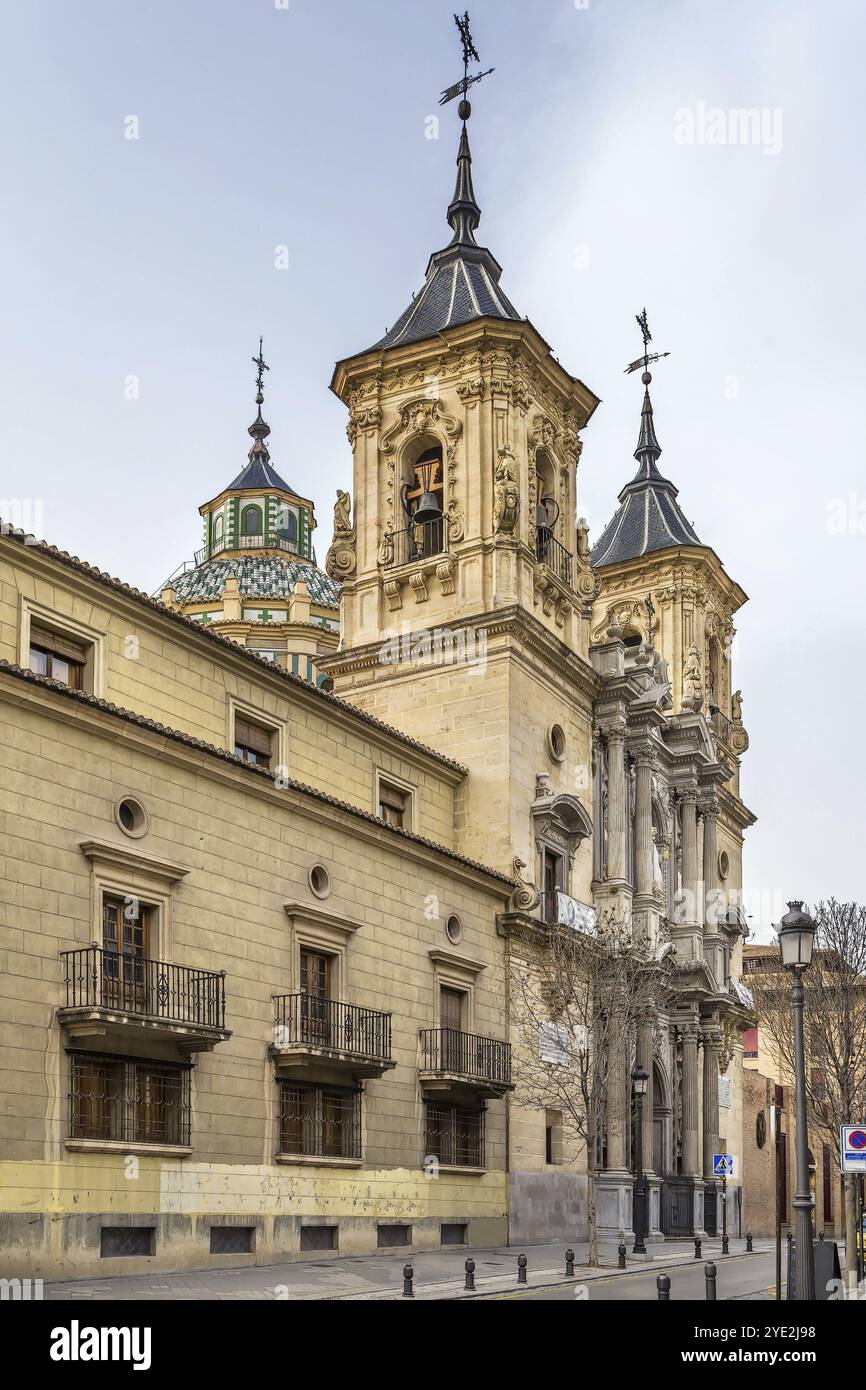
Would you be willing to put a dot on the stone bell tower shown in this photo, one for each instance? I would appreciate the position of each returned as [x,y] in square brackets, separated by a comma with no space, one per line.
[466,585]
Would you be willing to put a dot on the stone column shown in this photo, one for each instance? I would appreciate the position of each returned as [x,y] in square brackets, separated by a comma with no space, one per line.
[616,802]
[598,808]
[643,820]
[690,854]
[644,1058]
[711,1099]
[617,1100]
[691,1161]
[710,810]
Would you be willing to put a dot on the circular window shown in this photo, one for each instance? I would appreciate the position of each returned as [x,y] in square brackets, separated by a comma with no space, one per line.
[556,742]
[131,817]
[724,863]
[454,929]
[320,881]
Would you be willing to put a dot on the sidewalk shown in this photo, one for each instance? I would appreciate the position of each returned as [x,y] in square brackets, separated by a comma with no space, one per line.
[439,1274]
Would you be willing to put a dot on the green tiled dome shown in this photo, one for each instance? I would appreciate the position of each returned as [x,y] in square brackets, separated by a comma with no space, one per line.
[269,577]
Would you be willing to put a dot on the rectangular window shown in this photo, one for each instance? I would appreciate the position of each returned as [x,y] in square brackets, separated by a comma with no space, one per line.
[129,1101]
[452,1233]
[553,1136]
[232,1240]
[318,1238]
[320,1121]
[394,804]
[388,1236]
[61,658]
[118,1242]
[253,742]
[126,931]
[455,1135]
[315,998]
[452,1016]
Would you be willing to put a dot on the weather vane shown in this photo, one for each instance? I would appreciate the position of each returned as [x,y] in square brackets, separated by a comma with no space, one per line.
[647,356]
[263,367]
[470,54]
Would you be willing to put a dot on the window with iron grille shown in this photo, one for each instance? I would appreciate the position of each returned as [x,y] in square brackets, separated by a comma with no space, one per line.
[133,1102]
[455,1135]
[320,1120]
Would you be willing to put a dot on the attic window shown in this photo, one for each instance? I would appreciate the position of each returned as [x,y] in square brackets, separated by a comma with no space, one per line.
[59,657]
[253,742]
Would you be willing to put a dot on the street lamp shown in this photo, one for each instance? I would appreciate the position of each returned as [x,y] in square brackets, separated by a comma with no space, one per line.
[796,933]
[639,1080]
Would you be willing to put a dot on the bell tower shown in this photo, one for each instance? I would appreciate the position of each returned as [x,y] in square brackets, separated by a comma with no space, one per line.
[467,589]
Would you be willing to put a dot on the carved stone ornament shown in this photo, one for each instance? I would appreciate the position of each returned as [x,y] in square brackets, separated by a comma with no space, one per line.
[693,690]
[526,897]
[506,494]
[340,560]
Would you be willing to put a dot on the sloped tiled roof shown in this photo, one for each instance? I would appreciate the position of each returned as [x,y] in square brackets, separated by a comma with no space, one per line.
[648,517]
[462,281]
[259,576]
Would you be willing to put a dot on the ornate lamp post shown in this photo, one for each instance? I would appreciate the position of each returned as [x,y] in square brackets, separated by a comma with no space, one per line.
[639,1079]
[796,933]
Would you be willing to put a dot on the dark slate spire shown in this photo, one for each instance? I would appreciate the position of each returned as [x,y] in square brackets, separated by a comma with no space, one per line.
[462,280]
[257,473]
[464,214]
[649,517]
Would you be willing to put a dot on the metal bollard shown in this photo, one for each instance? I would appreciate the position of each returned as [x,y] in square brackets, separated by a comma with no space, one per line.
[408,1276]
[663,1284]
[621,1257]
[469,1281]
[569,1264]
[749,1250]
[725,1250]
[710,1273]
[522,1262]
[697,1247]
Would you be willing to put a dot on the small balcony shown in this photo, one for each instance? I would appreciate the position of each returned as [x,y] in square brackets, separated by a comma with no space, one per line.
[550,552]
[560,909]
[423,541]
[119,996]
[455,1062]
[324,1039]
[272,541]
[721,726]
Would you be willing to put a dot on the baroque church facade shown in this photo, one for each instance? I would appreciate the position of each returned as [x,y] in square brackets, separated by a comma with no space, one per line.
[256,1013]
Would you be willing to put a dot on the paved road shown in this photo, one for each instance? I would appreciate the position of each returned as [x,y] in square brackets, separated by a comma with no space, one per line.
[752,1276]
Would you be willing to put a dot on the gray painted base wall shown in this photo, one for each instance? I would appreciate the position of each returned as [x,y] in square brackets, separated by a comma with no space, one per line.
[546,1206]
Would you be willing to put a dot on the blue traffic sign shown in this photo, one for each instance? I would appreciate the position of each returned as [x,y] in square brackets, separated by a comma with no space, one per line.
[723,1165]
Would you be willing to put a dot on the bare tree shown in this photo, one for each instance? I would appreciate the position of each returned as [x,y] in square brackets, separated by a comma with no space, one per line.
[835,1031]
[575,1003]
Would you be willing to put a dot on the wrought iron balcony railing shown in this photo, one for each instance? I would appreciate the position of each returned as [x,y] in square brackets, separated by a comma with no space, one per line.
[720,725]
[326,1023]
[137,985]
[269,542]
[466,1054]
[550,552]
[419,542]
[562,910]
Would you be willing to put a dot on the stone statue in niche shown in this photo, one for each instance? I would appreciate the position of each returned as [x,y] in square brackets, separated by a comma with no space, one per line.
[506,494]
[583,540]
[340,559]
[693,692]
[737,706]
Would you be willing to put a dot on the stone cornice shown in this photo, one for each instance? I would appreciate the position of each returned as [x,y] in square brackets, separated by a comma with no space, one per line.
[307,912]
[157,616]
[121,856]
[644,569]
[513,621]
[125,727]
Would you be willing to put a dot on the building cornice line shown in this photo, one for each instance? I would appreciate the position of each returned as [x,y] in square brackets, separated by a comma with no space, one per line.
[258,778]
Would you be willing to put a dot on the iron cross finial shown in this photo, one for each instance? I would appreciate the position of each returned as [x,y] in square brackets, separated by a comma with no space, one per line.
[648,357]
[470,54]
[262,367]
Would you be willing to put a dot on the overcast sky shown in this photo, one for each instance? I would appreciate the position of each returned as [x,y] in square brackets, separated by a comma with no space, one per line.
[304,124]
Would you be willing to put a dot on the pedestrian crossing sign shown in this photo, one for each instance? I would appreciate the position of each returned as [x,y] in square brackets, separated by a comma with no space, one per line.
[723,1165]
